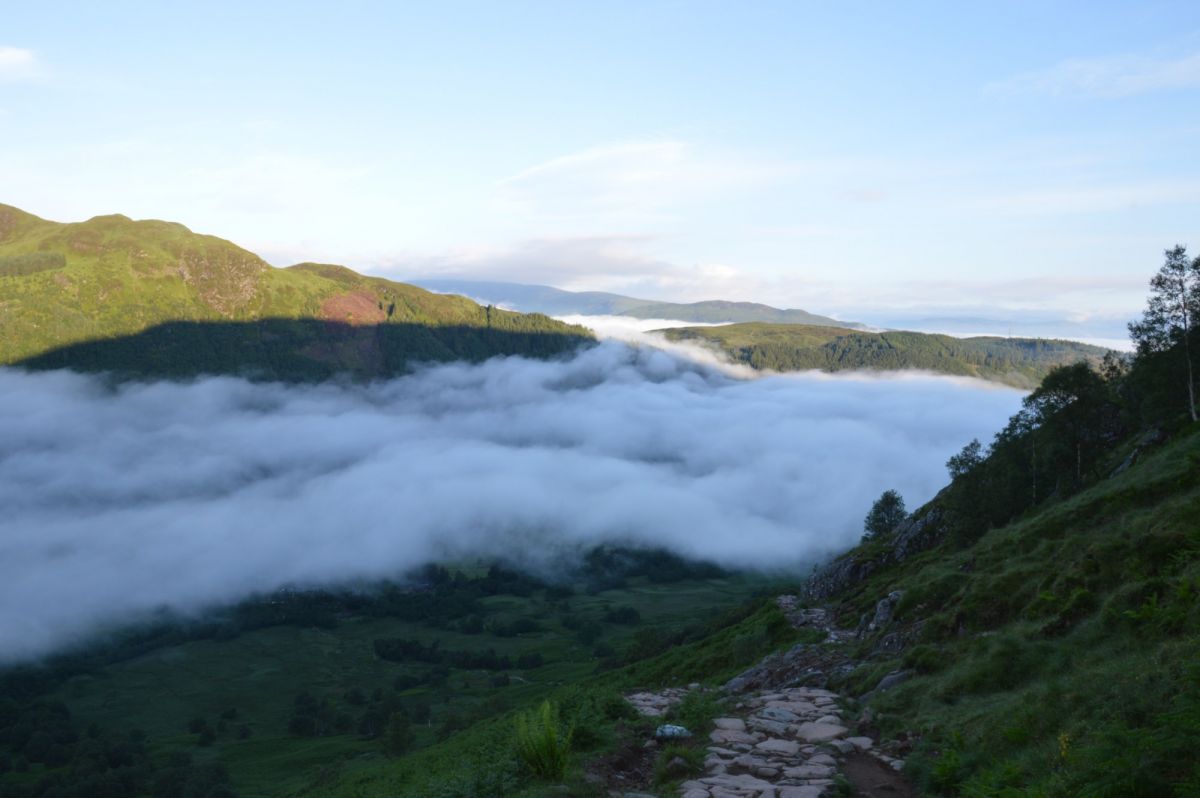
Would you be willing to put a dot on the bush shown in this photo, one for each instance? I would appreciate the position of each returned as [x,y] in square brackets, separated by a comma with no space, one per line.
[696,712]
[693,763]
[543,745]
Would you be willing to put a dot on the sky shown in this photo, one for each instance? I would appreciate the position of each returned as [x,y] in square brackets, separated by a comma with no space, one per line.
[1016,165]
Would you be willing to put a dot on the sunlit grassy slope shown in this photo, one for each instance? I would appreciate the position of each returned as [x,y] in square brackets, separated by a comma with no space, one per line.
[109,277]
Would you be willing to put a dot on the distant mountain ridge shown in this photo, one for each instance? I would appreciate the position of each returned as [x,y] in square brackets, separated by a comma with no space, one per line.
[152,297]
[1019,362]
[555,301]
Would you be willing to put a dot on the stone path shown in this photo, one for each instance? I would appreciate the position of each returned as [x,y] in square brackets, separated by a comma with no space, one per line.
[782,744]
[655,705]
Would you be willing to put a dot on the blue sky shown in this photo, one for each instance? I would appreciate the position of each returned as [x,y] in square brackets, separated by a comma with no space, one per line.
[1003,163]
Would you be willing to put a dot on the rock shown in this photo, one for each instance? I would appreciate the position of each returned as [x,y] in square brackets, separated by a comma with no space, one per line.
[669,731]
[769,726]
[1150,439]
[822,759]
[884,610]
[833,719]
[700,793]
[891,680]
[730,724]
[742,781]
[861,743]
[775,745]
[819,732]
[677,767]
[806,791]
[778,713]
[810,772]
[843,747]
[650,744]
[731,737]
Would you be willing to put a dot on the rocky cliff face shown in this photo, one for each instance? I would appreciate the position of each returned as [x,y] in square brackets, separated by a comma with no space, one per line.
[918,532]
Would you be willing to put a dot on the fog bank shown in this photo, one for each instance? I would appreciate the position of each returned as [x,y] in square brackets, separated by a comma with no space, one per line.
[118,501]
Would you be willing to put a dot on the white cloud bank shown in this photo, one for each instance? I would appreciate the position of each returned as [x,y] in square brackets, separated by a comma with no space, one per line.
[122,501]
[17,63]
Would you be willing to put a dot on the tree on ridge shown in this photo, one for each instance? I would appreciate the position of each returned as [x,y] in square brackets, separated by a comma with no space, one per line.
[1171,312]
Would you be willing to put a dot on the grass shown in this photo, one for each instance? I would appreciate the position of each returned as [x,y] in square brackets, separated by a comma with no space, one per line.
[112,278]
[543,742]
[260,673]
[1057,654]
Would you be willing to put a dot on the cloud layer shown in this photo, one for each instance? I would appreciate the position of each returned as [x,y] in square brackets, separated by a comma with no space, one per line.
[17,63]
[120,501]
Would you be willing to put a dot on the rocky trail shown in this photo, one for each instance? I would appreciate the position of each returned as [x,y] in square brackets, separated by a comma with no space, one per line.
[784,735]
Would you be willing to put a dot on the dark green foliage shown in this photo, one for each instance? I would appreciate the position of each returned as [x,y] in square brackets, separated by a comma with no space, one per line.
[299,349]
[1021,362]
[625,615]
[678,761]
[1170,319]
[886,514]
[696,712]
[399,734]
[542,742]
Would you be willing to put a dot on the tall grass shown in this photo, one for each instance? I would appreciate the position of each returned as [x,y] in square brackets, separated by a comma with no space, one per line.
[543,743]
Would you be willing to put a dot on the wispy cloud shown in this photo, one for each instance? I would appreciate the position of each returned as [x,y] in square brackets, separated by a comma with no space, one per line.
[634,180]
[1094,199]
[17,63]
[621,263]
[1119,76]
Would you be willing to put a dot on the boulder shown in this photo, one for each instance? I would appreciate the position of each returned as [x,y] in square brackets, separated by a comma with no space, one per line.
[820,732]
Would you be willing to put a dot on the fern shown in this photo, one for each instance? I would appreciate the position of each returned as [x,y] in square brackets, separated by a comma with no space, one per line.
[543,745]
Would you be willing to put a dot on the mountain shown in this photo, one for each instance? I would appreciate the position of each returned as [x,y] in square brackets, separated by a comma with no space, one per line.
[153,297]
[1020,362]
[1035,629]
[554,301]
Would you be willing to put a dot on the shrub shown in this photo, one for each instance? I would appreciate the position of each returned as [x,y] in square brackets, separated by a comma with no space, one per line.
[696,712]
[543,744]
[692,757]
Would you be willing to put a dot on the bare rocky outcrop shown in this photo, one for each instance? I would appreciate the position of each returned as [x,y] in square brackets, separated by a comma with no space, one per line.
[915,534]
[1149,440]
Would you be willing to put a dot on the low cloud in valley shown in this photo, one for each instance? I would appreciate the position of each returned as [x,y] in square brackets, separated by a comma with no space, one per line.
[121,501]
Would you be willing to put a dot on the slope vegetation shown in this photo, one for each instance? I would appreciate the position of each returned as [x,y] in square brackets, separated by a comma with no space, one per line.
[1035,629]
[1020,362]
[108,280]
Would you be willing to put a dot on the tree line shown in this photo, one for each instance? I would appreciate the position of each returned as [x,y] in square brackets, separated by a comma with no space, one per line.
[1062,438]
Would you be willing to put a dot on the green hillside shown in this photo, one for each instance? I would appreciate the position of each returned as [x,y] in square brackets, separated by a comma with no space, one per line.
[80,295]
[1020,362]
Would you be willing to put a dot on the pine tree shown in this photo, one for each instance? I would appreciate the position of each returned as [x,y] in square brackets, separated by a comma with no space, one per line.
[1171,312]
[886,513]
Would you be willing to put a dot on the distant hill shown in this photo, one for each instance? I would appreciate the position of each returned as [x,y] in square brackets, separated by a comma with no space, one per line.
[153,297]
[1020,362]
[554,301]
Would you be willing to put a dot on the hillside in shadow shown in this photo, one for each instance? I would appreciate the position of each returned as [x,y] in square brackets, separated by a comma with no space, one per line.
[296,349]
